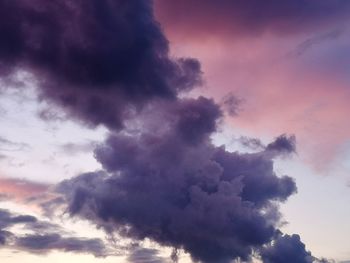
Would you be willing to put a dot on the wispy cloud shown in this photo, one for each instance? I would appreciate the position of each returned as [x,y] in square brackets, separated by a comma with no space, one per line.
[21,189]
[44,237]
[10,146]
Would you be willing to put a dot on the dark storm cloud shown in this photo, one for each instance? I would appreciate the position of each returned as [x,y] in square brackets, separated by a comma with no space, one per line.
[172,185]
[44,237]
[249,17]
[288,249]
[100,60]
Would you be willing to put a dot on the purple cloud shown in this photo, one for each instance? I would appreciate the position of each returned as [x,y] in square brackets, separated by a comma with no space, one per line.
[172,185]
[45,237]
[143,255]
[44,243]
[288,249]
[107,63]
[99,60]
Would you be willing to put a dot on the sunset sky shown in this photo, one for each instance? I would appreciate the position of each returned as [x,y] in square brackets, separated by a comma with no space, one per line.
[174,130]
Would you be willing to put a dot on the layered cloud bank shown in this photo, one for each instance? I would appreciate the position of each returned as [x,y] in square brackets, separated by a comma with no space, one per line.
[43,237]
[107,63]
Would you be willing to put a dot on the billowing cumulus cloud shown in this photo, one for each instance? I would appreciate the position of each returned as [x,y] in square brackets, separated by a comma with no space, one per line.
[249,17]
[100,60]
[172,185]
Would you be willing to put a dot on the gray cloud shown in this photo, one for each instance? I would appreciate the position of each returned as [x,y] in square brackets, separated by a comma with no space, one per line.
[76,148]
[314,41]
[288,249]
[44,243]
[87,58]
[144,255]
[44,237]
[10,146]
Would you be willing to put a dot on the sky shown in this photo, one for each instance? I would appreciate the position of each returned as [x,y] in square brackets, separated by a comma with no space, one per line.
[174,131]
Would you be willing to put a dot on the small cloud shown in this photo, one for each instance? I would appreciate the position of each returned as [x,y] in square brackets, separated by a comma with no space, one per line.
[145,255]
[76,148]
[53,115]
[251,143]
[232,104]
[44,243]
[282,145]
[314,41]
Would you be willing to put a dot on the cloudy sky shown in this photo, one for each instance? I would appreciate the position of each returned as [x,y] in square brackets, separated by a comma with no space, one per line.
[174,131]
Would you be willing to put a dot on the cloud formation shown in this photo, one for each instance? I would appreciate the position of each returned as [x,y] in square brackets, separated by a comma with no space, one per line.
[172,185]
[107,62]
[44,237]
[143,255]
[9,146]
[288,249]
[99,60]
[44,243]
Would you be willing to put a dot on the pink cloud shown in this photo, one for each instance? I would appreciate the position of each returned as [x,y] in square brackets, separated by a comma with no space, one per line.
[282,92]
[249,17]
[21,190]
